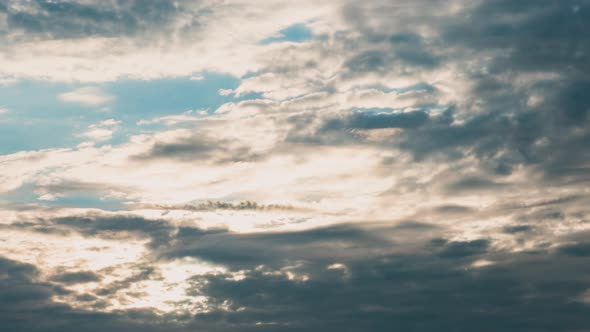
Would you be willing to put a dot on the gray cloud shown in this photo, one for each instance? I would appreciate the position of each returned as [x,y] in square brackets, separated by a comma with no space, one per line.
[517,229]
[27,305]
[219,205]
[525,112]
[576,250]
[158,231]
[389,275]
[76,277]
[44,19]
[472,183]
[378,121]
[525,104]
[406,50]
[541,37]
[198,148]
[464,248]
[274,249]
[411,292]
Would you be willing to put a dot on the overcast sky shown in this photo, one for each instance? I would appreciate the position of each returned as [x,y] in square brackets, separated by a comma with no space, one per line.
[272,165]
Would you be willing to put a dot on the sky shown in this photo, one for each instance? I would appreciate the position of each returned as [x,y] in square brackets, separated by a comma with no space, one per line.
[336,165]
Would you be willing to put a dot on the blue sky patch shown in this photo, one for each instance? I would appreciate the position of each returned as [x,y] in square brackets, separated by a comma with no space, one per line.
[294,33]
[38,119]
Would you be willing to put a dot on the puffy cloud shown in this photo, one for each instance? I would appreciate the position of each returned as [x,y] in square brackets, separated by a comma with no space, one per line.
[88,96]
[102,131]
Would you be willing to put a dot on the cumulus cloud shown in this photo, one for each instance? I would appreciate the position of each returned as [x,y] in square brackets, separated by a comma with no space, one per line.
[102,131]
[87,96]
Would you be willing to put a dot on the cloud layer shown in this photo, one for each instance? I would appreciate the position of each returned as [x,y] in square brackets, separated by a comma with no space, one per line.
[411,165]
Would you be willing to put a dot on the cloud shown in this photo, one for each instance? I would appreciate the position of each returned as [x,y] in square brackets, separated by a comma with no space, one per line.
[378,121]
[102,131]
[217,205]
[98,134]
[225,92]
[94,41]
[415,260]
[406,156]
[575,250]
[172,120]
[75,277]
[87,96]
[182,145]
[413,286]
[157,230]
[21,293]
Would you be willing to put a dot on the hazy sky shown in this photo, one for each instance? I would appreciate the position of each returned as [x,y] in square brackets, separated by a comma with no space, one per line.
[233,165]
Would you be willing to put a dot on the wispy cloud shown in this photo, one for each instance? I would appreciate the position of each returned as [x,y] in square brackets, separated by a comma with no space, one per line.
[88,96]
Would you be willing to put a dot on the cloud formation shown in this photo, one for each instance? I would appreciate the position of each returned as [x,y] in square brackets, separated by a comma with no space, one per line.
[412,165]
[88,96]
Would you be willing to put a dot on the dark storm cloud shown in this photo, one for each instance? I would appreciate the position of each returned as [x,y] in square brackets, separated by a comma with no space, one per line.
[412,292]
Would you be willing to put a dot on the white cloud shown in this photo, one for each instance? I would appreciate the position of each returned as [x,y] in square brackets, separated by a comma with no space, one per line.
[225,92]
[88,96]
[102,131]
[171,120]
[331,172]
[216,44]
[98,134]
[109,123]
